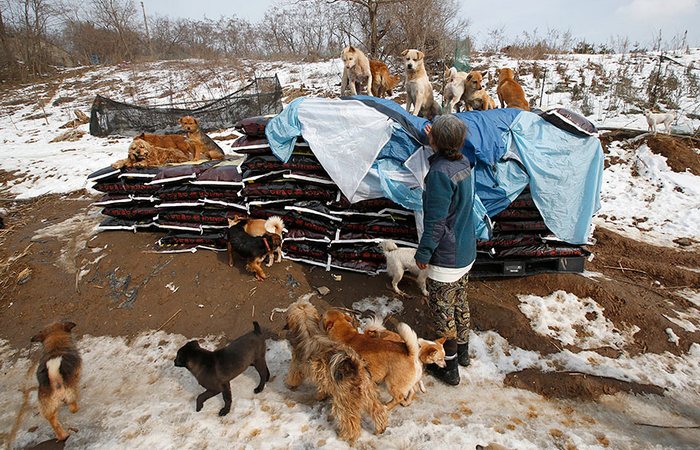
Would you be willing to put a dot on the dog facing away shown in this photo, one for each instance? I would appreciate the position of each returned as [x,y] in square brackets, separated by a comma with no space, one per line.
[214,370]
[58,374]
[454,88]
[337,371]
[204,146]
[253,248]
[258,227]
[394,363]
[419,92]
[510,93]
[475,96]
[356,71]
[143,154]
[399,260]
[653,119]
[383,82]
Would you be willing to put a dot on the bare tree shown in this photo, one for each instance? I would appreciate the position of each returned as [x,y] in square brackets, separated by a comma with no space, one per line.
[118,15]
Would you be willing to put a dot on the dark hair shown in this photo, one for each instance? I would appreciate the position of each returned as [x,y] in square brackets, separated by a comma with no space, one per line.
[447,136]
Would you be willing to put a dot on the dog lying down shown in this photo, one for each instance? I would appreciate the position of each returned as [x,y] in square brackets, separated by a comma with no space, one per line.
[214,370]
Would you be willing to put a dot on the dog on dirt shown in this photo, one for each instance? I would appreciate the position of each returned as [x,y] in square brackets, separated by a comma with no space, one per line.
[475,96]
[654,119]
[58,373]
[260,227]
[400,260]
[204,146]
[144,154]
[383,82]
[454,88]
[253,248]
[337,371]
[394,363]
[509,91]
[356,71]
[214,370]
[419,91]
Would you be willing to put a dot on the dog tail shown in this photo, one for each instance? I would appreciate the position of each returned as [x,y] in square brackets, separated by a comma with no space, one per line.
[374,327]
[392,82]
[274,225]
[55,378]
[256,328]
[410,338]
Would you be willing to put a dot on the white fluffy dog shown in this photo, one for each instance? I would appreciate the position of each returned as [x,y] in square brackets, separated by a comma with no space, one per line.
[654,119]
[454,88]
[400,260]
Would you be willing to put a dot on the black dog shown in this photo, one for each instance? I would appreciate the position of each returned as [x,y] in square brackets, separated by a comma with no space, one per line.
[214,370]
[253,248]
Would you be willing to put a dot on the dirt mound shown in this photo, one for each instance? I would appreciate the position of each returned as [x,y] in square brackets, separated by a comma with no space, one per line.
[574,384]
[680,153]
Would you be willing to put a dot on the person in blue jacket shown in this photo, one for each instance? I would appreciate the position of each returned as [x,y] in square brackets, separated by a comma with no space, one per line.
[447,247]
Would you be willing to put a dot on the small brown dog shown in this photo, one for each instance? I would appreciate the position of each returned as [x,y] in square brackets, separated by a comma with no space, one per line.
[143,154]
[383,82]
[204,146]
[259,227]
[394,363]
[475,97]
[58,374]
[253,248]
[336,370]
[509,92]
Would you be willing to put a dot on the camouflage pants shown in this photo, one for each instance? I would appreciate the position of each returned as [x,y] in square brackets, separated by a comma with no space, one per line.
[449,309]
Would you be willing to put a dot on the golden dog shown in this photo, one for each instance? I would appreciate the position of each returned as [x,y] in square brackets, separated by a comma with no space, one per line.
[509,92]
[177,141]
[356,71]
[419,92]
[382,81]
[143,154]
[475,97]
[204,146]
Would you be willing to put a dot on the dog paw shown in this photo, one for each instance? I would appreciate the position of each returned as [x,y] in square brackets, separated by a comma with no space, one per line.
[258,390]
[198,408]
[224,411]
[73,407]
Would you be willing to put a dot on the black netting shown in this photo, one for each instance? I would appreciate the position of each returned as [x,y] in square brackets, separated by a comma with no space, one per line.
[262,96]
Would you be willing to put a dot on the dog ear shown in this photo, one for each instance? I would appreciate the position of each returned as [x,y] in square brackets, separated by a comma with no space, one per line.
[180,120]
[420,54]
[404,53]
[484,73]
[37,337]
[68,326]
[351,49]
[469,76]
[441,341]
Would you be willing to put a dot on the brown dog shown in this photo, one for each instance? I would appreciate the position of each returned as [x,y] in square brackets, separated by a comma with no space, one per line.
[204,146]
[336,369]
[177,141]
[143,154]
[394,363]
[382,81]
[475,97]
[58,374]
[509,92]
[260,227]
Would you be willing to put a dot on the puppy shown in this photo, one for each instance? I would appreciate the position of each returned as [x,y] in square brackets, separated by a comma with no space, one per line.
[509,92]
[394,363]
[400,260]
[143,154]
[419,92]
[475,97]
[258,227]
[654,119]
[58,374]
[454,88]
[382,81]
[253,248]
[337,371]
[215,370]
[204,146]
[356,71]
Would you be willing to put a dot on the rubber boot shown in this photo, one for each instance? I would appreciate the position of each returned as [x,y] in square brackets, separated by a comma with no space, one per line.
[463,354]
[450,373]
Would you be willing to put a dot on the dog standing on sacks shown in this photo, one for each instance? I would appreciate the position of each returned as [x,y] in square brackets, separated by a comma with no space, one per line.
[58,374]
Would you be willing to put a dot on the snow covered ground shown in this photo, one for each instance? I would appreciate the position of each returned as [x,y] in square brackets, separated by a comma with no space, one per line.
[134,397]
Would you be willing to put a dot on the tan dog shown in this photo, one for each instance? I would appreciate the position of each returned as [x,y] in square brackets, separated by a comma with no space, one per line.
[204,146]
[177,141]
[356,71]
[58,374]
[259,227]
[382,81]
[143,154]
[509,92]
[394,363]
[454,88]
[419,92]
[475,97]
[335,369]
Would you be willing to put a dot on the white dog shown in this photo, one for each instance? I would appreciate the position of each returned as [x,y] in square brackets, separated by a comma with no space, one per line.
[419,92]
[399,260]
[654,119]
[454,88]
[356,71]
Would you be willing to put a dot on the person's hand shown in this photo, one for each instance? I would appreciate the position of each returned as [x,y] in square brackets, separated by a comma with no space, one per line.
[421,265]
[427,128]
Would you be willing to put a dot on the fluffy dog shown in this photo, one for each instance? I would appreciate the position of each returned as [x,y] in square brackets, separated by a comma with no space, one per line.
[58,374]
[258,227]
[336,370]
[177,141]
[400,260]
[419,92]
[204,146]
[215,370]
[653,119]
[454,88]
[143,154]
[382,81]
[356,71]
[253,248]
[475,97]
[509,92]
[394,363]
